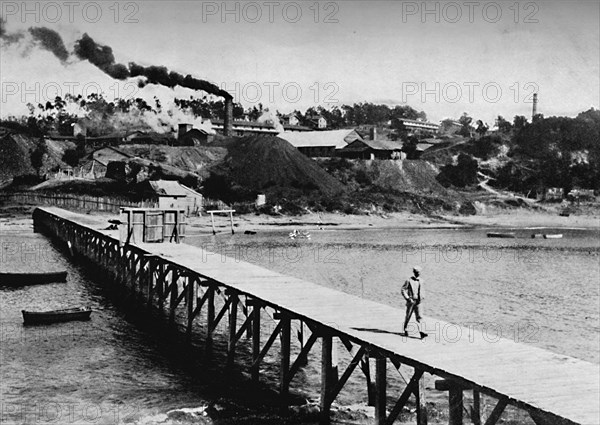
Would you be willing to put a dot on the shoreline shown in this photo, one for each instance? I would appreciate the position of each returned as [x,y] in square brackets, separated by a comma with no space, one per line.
[14,218]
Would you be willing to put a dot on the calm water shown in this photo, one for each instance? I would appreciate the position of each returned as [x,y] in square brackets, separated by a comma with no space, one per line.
[120,368]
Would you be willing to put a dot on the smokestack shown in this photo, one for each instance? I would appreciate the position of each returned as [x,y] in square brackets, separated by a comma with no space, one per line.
[534,111]
[183,128]
[373,133]
[228,121]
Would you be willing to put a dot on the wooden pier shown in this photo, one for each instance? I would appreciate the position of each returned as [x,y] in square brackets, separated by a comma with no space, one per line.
[552,388]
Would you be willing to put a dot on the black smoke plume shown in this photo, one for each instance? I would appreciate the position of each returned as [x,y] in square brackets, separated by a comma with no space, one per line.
[51,41]
[46,38]
[102,56]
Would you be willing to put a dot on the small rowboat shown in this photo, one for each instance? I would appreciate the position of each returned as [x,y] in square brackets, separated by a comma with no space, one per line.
[54,316]
[547,235]
[19,279]
[501,235]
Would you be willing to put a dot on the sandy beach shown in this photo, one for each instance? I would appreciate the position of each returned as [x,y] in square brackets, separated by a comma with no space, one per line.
[18,219]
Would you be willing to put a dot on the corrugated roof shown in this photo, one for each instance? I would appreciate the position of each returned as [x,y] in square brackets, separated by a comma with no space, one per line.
[332,138]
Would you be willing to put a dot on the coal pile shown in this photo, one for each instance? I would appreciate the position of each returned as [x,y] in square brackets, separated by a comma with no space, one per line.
[271,165]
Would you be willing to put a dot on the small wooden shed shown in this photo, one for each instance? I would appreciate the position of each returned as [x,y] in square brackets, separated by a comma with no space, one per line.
[146,225]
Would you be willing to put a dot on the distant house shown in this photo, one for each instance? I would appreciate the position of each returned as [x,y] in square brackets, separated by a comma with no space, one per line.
[98,161]
[321,143]
[290,119]
[172,194]
[417,126]
[372,149]
[195,137]
[317,121]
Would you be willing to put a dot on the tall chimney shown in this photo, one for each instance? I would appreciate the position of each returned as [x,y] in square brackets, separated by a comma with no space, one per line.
[373,133]
[534,111]
[183,128]
[228,121]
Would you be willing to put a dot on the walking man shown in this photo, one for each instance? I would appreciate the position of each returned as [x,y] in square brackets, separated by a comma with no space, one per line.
[411,291]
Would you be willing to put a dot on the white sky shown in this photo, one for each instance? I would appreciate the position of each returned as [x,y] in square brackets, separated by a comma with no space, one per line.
[376,51]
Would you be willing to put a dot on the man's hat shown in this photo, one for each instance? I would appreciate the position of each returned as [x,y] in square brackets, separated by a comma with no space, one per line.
[417,268]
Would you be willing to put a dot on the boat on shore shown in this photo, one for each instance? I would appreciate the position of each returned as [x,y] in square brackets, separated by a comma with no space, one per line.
[31,278]
[547,235]
[55,316]
[501,235]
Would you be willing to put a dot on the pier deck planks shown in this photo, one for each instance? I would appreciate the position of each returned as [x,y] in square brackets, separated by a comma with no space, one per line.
[530,376]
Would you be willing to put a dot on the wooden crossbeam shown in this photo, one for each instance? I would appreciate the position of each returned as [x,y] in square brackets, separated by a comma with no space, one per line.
[221,314]
[267,346]
[200,304]
[244,326]
[303,353]
[412,386]
[351,366]
[497,412]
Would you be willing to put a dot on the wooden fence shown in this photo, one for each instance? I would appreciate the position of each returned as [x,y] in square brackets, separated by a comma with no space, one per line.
[74,202]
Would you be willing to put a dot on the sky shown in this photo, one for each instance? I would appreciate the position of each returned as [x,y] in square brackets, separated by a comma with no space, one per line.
[445,58]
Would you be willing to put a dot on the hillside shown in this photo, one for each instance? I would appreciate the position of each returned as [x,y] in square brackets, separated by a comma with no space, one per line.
[15,148]
[195,159]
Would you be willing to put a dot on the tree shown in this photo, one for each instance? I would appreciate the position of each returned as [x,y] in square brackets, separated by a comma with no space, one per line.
[465,123]
[410,148]
[482,128]
[503,125]
[37,155]
[519,122]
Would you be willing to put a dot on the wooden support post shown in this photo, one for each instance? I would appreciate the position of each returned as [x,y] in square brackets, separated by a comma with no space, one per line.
[151,283]
[334,362]
[231,220]
[232,328]
[212,220]
[174,288]
[285,358]
[191,296]
[303,361]
[325,379]
[160,283]
[380,389]
[255,338]
[421,402]
[210,318]
[366,368]
[476,410]
[455,400]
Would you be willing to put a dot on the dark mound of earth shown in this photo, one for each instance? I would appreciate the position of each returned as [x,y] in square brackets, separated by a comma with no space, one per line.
[270,164]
